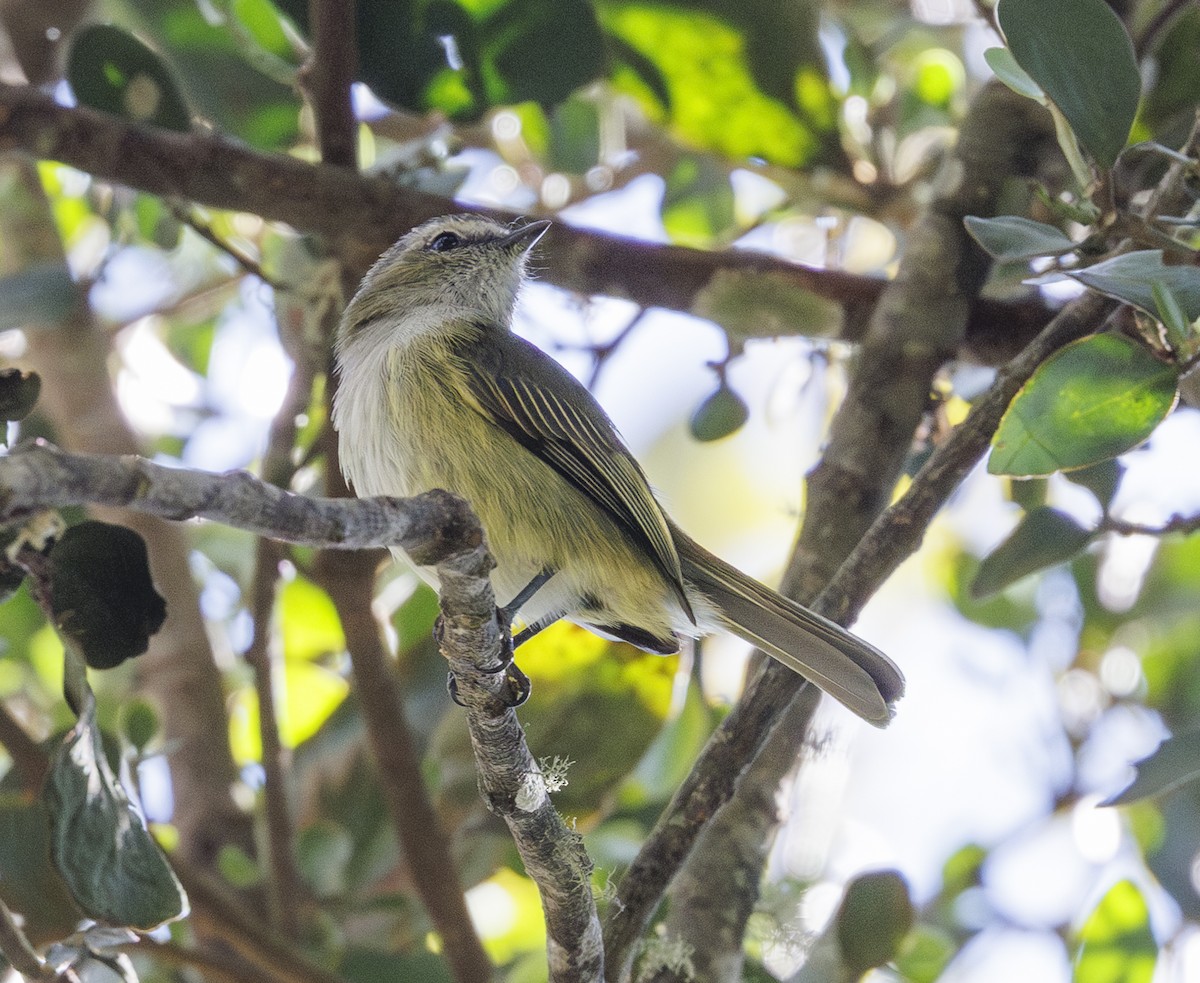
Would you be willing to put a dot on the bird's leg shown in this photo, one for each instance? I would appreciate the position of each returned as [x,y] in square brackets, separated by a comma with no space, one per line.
[524,595]
[517,679]
[526,633]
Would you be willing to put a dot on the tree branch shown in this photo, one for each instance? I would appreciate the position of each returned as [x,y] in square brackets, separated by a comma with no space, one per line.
[362,215]
[39,476]
[432,528]
[510,781]
[349,579]
[327,76]
[915,328]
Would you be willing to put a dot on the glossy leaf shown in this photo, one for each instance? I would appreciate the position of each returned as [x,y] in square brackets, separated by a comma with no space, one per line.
[1094,399]
[1080,54]
[101,592]
[1175,762]
[111,864]
[721,111]
[720,415]
[1043,538]
[875,915]
[1010,237]
[1002,62]
[1131,278]
[1116,944]
[114,71]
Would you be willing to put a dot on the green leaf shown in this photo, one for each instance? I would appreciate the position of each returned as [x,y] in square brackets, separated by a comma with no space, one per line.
[875,915]
[1010,237]
[114,71]
[1175,762]
[1116,944]
[1170,312]
[19,392]
[111,864]
[925,954]
[715,102]
[1096,398]
[1131,278]
[1102,479]
[721,414]
[1080,54]
[698,204]
[748,304]
[101,593]
[140,723]
[1043,538]
[1002,62]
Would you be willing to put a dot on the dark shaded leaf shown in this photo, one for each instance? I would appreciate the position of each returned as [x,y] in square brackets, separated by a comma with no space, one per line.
[1010,237]
[1043,538]
[1101,479]
[721,414]
[19,392]
[1175,762]
[875,916]
[111,864]
[1131,278]
[1096,398]
[1080,54]
[114,71]
[101,592]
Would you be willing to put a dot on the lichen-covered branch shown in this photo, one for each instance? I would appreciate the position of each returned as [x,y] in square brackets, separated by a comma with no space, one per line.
[39,476]
[510,781]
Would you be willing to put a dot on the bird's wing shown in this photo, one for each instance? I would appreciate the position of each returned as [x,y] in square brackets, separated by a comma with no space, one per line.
[524,391]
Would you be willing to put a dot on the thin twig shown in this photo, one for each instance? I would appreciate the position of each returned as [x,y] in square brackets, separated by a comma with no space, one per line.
[210,235]
[286,887]
[273,958]
[23,957]
[1187,524]
[1158,24]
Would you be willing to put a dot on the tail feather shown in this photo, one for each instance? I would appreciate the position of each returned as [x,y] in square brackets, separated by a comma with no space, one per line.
[844,666]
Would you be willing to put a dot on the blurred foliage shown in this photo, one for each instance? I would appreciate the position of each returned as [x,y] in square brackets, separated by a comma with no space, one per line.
[811,129]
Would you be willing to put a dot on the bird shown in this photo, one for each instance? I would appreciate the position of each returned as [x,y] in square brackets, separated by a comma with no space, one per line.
[435,390]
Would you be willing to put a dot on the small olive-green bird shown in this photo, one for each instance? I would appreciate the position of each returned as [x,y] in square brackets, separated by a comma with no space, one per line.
[436,391]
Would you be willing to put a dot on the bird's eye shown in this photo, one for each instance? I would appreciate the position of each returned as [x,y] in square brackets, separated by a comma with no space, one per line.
[443,241]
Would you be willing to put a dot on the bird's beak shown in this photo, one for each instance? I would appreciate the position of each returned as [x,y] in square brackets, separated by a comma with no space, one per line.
[524,238]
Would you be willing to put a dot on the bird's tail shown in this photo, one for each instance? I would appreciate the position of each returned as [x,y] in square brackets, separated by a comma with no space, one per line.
[847,668]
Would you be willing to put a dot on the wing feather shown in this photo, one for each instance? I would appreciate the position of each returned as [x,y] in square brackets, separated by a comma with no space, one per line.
[516,386]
